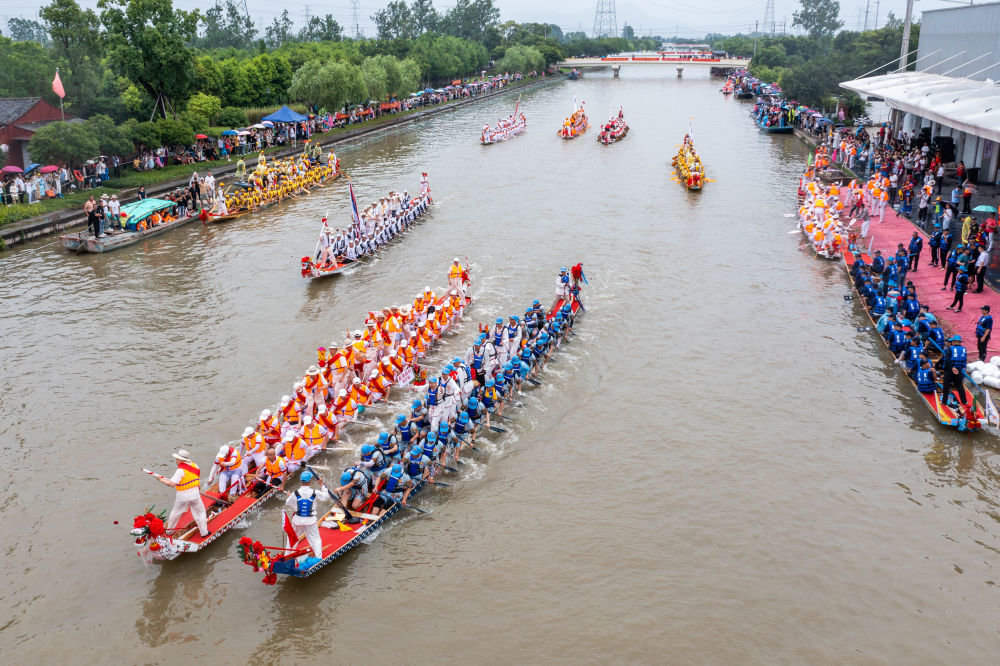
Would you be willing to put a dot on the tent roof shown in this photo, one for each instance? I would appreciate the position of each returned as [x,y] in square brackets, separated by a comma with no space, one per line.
[285,115]
[964,104]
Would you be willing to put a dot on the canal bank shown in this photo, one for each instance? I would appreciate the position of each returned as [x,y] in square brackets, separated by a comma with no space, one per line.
[67,218]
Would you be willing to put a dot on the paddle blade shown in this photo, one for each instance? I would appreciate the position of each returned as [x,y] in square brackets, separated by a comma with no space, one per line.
[343,527]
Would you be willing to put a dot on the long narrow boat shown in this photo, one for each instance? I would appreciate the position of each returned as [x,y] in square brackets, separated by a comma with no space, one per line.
[506,128]
[969,417]
[155,544]
[688,169]
[615,130]
[575,125]
[209,217]
[310,269]
[337,537]
[136,220]
[775,129]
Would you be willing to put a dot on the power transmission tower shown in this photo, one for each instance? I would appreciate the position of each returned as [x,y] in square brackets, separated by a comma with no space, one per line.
[769,18]
[356,18]
[605,21]
[243,4]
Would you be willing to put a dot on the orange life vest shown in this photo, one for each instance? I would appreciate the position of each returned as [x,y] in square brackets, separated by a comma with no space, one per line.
[191,478]
[254,443]
[290,413]
[455,271]
[313,435]
[298,448]
[231,461]
[276,468]
[326,420]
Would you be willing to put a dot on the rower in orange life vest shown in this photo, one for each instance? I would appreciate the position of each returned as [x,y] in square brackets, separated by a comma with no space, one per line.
[187,481]
[272,474]
[315,389]
[269,428]
[294,450]
[302,502]
[229,468]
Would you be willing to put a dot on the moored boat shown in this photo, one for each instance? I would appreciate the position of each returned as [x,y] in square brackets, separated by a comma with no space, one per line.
[155,541]
[139,220]
[966,416]
[337,536]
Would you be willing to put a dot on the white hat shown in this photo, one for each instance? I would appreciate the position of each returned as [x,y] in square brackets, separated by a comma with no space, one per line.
[223,451]
[357,333]
[426,289]
[307,420]
[182,455]
[374,374]
[343,393]
[285,400]
[321,408]
[248,432]
[455,260]
[266,414]
[356,381]
[312,370]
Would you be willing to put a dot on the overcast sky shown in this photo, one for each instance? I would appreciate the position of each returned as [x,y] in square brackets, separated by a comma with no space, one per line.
[688,18]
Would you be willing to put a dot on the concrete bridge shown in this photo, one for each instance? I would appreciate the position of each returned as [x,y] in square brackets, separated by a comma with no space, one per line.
[717,66]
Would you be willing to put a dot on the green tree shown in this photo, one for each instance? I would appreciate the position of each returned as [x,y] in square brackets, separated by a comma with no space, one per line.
[471,19]
[27,70]
[521,59]
[75,32]
[143,134]
[393,74]
[174,132]
[27,30]
[307,86]
[409,72]
[819,18]
[232,116]
[147,43]
[110,139]
[324,29]
[63,143]
[375,79]
[628,33]
[227,26]
[425,17]
[206,106]
[280,31]
[395,21]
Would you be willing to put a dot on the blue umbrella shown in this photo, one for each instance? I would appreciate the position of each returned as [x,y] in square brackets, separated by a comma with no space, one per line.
[32,167]
[428,90]
[229,133]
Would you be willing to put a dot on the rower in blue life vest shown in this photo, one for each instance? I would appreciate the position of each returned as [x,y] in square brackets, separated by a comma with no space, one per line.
[389,445]
[373,459]
[302,502]
[926,378]
[910,356]
[449,441]
[354,487]
[878,263]
[952,367]
[396,488]
[896,338]
[416,464]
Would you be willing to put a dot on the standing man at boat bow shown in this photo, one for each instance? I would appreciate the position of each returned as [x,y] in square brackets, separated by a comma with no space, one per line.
[303,504]
[187,481]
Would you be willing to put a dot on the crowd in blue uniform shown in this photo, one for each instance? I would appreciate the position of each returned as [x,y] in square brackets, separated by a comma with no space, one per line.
[457,403]
[912,332]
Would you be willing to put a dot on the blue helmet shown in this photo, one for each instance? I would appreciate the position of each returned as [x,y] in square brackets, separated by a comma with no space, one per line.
[956,338]
[400,418]
[489,382]
[416,403]
[499,320]
[346,476]
[566,308]
[545,337]
[562,270]
[306,477]
[515,318]
[383,437]
[432,436]
[527,310]
[516,362]
[396,471]
[473,402]
[535,302]
[367,450]
[432,380]
[526,353]
[448,369]
[508,366]
[416,451]
[463,417]
[443,427]
[456,361]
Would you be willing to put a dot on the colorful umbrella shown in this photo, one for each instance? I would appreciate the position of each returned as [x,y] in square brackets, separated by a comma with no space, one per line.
[200,136]
[267,123]
[52,168]
[12,169]
[229,132]
[32,167]
[984,209]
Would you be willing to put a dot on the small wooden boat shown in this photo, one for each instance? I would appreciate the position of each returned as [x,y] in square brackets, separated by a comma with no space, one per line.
[966,416]
[775,129]
[337,536]
[575,74]
[137,219]
[575,125]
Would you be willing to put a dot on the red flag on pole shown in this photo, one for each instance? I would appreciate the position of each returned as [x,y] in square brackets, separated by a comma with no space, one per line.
[286,525]
[57,86]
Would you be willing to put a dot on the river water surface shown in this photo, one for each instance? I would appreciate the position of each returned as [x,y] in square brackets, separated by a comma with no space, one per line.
[718,469]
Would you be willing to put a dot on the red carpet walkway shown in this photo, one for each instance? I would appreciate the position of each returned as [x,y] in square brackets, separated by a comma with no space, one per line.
[929,279]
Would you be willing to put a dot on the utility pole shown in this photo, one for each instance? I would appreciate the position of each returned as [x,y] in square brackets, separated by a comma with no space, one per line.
[868,4]
[905,47]
[876,13]
[755,24]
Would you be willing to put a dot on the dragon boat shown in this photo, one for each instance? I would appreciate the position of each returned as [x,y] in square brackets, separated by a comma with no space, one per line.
[615,130]
[575,125]
[688,168]
[337,536]
[507,128]
[155,542]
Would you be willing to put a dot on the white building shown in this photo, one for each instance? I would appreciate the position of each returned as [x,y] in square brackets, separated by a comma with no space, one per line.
[952,94]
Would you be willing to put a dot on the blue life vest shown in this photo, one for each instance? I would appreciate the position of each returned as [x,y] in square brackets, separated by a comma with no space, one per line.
[957,357]
[477,360]
[387,445]
[512,330]
[378,460]
[897,341]
[459,428]
[564,279]
[878,306]
[878,264]
[984,324]
[497,337]
[924,382]
[405,433]
[912,308]
[415,468]
[953,259]
[937,335]
[913,356]
[962,283]
[935,240]
[304,505]
[392,483]
[489,395]
[432,396]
